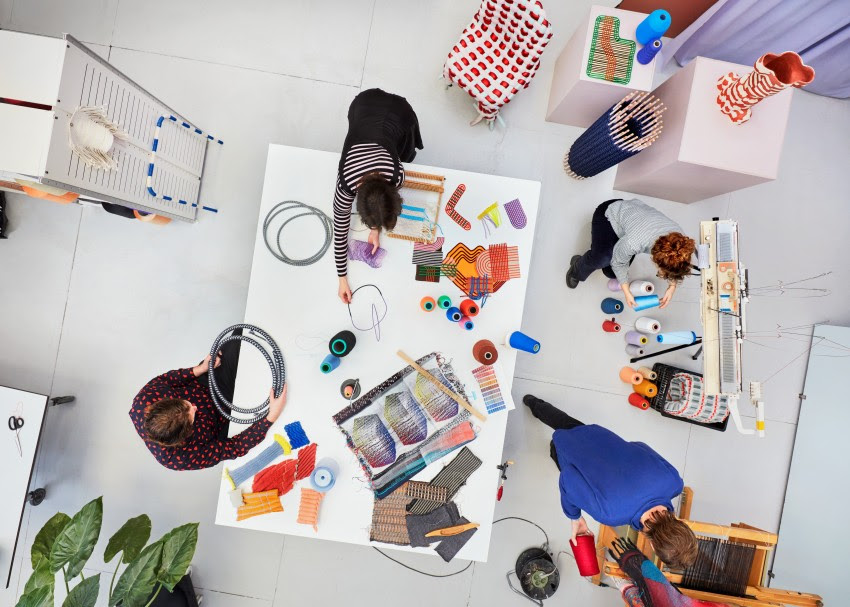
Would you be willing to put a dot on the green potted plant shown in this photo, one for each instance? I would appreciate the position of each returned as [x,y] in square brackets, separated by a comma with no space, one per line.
[64,545]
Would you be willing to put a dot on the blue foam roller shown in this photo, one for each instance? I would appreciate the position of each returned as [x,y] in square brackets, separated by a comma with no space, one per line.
[330,363]
[612,306]
[521,341]
[677,337]
[654,26]
[644,302]
[648,52]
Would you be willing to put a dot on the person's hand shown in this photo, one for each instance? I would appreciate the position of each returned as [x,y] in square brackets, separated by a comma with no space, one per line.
[579,528]
[276,405]
[344,290]
[204,365]
[668,295]
[374,240]
[630,299]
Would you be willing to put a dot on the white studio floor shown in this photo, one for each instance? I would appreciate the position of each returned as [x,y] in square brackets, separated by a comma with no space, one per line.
[93,305]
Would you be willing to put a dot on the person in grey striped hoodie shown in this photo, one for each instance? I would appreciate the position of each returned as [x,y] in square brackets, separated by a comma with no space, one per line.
[622,229]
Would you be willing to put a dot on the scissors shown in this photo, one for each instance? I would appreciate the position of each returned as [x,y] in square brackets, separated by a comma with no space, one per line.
[15,425]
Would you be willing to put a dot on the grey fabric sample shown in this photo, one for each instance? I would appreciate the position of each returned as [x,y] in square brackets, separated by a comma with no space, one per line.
[452,544]
[453,477]
[420,524]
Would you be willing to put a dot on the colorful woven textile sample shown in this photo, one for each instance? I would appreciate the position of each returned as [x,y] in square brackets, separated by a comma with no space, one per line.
[477,270]
[611,57]
[499,52]
[433,273]
[384,427]
[388,518]
[306,461]
[296,434]
[452,477]
[308,509]
[406,418]
[280,477]
[422,195]
[485,375]
[447,442]
[373,441]
[427,258]
[437,245]
[258,503]
[516,214]
[359,250]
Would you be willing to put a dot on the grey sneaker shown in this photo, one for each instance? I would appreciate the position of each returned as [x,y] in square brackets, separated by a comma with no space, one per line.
[572,281]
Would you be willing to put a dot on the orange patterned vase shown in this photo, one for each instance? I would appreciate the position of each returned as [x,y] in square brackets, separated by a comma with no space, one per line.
[772,73]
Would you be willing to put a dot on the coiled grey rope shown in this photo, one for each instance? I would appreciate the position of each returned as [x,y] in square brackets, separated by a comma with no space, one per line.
[276,364]
[288,205]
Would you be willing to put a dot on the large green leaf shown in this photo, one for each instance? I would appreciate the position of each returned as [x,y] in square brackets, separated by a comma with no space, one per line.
[131,538]
[41,576]
[84,594]
[46,536]
[178,548]
[75,543]
[39,597]
[135,585]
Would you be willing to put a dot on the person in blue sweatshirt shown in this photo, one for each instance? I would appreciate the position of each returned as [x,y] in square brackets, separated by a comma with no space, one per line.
[617,483]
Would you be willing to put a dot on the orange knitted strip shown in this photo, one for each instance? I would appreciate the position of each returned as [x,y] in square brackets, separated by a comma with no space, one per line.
[259,503]
[308,509]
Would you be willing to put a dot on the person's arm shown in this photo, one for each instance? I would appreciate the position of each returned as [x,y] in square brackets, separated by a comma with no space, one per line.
[621,257]
[342,223]
[668,294]
[207,455]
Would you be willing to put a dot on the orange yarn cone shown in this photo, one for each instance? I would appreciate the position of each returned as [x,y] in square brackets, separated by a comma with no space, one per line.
[630,376]
[646,388]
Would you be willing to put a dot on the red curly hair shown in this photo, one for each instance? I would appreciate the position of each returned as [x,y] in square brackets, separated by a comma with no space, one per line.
[672,254]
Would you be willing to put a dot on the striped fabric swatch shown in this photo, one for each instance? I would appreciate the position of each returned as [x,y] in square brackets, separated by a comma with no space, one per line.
[280,477]
[437,245]
[258,503]
[486,378]
[388,518]
[452,477]
[427,258]
[428,273]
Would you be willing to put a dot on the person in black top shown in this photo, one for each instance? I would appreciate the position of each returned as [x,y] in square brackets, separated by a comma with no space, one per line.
[383,132]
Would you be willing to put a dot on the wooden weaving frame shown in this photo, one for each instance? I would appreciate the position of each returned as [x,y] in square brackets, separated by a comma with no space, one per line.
[764,541]
[415,180]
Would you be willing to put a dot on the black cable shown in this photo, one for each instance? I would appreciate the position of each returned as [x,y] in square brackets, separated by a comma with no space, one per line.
[469,564]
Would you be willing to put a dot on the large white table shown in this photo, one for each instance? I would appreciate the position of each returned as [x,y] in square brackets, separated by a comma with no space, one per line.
[17,467]
[299,307]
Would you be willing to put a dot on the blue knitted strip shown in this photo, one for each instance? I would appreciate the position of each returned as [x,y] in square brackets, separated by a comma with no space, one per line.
[249,469]
[297,437]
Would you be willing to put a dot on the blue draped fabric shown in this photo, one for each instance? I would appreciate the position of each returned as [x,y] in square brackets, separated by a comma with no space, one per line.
[741,31]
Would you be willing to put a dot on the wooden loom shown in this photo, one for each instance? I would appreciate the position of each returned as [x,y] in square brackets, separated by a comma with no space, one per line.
[757,594]
[418,231]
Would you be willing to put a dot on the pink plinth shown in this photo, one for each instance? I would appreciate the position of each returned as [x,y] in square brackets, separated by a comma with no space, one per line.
[701,153]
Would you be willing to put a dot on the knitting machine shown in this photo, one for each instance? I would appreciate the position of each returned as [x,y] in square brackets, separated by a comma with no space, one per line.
[723,298]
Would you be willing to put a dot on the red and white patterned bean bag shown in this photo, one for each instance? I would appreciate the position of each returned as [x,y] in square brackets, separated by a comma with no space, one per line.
[499,52]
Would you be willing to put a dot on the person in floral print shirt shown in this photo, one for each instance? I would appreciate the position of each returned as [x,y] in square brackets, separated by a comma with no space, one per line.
[181,426]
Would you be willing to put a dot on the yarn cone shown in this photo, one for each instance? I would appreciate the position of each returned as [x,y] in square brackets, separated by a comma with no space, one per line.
[771,74]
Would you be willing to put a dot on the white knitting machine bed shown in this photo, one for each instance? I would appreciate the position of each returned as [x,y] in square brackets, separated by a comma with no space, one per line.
[60,75]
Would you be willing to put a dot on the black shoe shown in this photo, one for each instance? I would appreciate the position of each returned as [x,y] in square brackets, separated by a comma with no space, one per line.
[572,281]
[530,400]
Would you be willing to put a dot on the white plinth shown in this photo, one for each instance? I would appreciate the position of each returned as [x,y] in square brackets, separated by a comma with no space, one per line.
[299,307]
[577,99]
[701,153]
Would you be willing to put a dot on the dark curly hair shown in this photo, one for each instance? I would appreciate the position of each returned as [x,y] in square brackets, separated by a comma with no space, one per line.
[167,422]
[378,202]
[672,254]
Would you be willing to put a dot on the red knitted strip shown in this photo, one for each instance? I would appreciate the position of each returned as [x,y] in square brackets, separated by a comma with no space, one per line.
[306,461]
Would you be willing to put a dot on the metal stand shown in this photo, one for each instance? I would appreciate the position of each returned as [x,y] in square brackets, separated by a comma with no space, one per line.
[668,350]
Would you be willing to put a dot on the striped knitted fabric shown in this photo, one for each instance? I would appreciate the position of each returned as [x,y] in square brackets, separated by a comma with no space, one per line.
[308,509]
[388,518]
[258,503]
[452,477]
[241,474]
[297,436]
[306,461]
[280,477]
